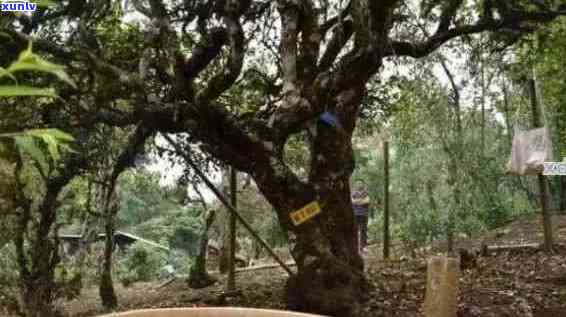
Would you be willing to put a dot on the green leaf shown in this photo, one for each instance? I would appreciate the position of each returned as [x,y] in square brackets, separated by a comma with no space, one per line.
[27,144]
[52,146]
[4,73]
[56,142]
[58,134]
[16,91]
[28,61]
[54,139]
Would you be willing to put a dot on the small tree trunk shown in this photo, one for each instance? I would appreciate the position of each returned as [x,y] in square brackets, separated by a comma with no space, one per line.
[88,236]
[452,216]
[482,106]
[542,181]
[431,200]
[37,297]
[199,277]
[37,247]
[38,286]
[386,235]
[106,289]
[456,157]
[224,224]
[231,285]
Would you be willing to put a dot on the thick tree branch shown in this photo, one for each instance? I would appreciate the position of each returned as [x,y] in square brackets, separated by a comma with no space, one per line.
[326,26]
[515,21]
[310,42]
[289,37]
[209,48]
[124,77]
[126,159]
[340,36]
[228,75]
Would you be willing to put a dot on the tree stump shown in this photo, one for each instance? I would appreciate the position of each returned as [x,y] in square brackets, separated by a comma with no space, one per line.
[441,298]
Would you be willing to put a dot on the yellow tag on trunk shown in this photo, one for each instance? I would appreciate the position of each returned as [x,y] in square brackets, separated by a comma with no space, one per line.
[305,213]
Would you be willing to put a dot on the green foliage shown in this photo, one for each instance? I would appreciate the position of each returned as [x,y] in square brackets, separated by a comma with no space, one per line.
[142,263]
[25,91]
[39,142]
[186,233]
[9,272]
[142,198]
[28,61]
[423,146]
[42,145]
[156,213]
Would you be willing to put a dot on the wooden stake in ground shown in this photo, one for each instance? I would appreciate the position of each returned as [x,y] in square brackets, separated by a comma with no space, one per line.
[232,260]
[542,181]
[386,240]
[441,298]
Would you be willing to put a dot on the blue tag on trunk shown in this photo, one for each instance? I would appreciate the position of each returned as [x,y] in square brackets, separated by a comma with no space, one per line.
[330,119]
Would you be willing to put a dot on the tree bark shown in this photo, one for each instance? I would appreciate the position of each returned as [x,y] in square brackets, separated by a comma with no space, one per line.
[38,257]
[330,278]
[231,283]
[106,289]
[88,236]
[542,181]
[386,235]
[199,277]
[456,155]
[224,224]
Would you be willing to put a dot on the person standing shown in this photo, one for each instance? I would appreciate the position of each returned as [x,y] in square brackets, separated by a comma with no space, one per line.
[360,203]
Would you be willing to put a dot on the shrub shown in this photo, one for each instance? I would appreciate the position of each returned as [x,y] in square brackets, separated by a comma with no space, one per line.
[142,263]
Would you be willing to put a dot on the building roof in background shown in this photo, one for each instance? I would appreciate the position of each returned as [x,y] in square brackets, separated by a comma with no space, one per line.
[119,235]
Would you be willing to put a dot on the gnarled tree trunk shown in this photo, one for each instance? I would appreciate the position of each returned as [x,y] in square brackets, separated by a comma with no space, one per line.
[330,277]
[37,246]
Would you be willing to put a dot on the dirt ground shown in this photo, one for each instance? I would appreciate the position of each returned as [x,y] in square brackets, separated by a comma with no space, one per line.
[514,283]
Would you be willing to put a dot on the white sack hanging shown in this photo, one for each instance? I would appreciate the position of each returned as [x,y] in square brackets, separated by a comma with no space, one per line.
[529,151]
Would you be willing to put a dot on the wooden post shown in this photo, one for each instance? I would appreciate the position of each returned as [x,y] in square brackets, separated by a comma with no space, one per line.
[386,236]
[232,260]
[441,298]
[542,181]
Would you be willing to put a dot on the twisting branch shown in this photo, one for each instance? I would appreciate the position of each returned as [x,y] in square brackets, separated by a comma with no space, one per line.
[340,36]
[310,42]
[332,22]
[288,48]
[207,50]
[127,158]
[228,75]
[124,77]
[516,20]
